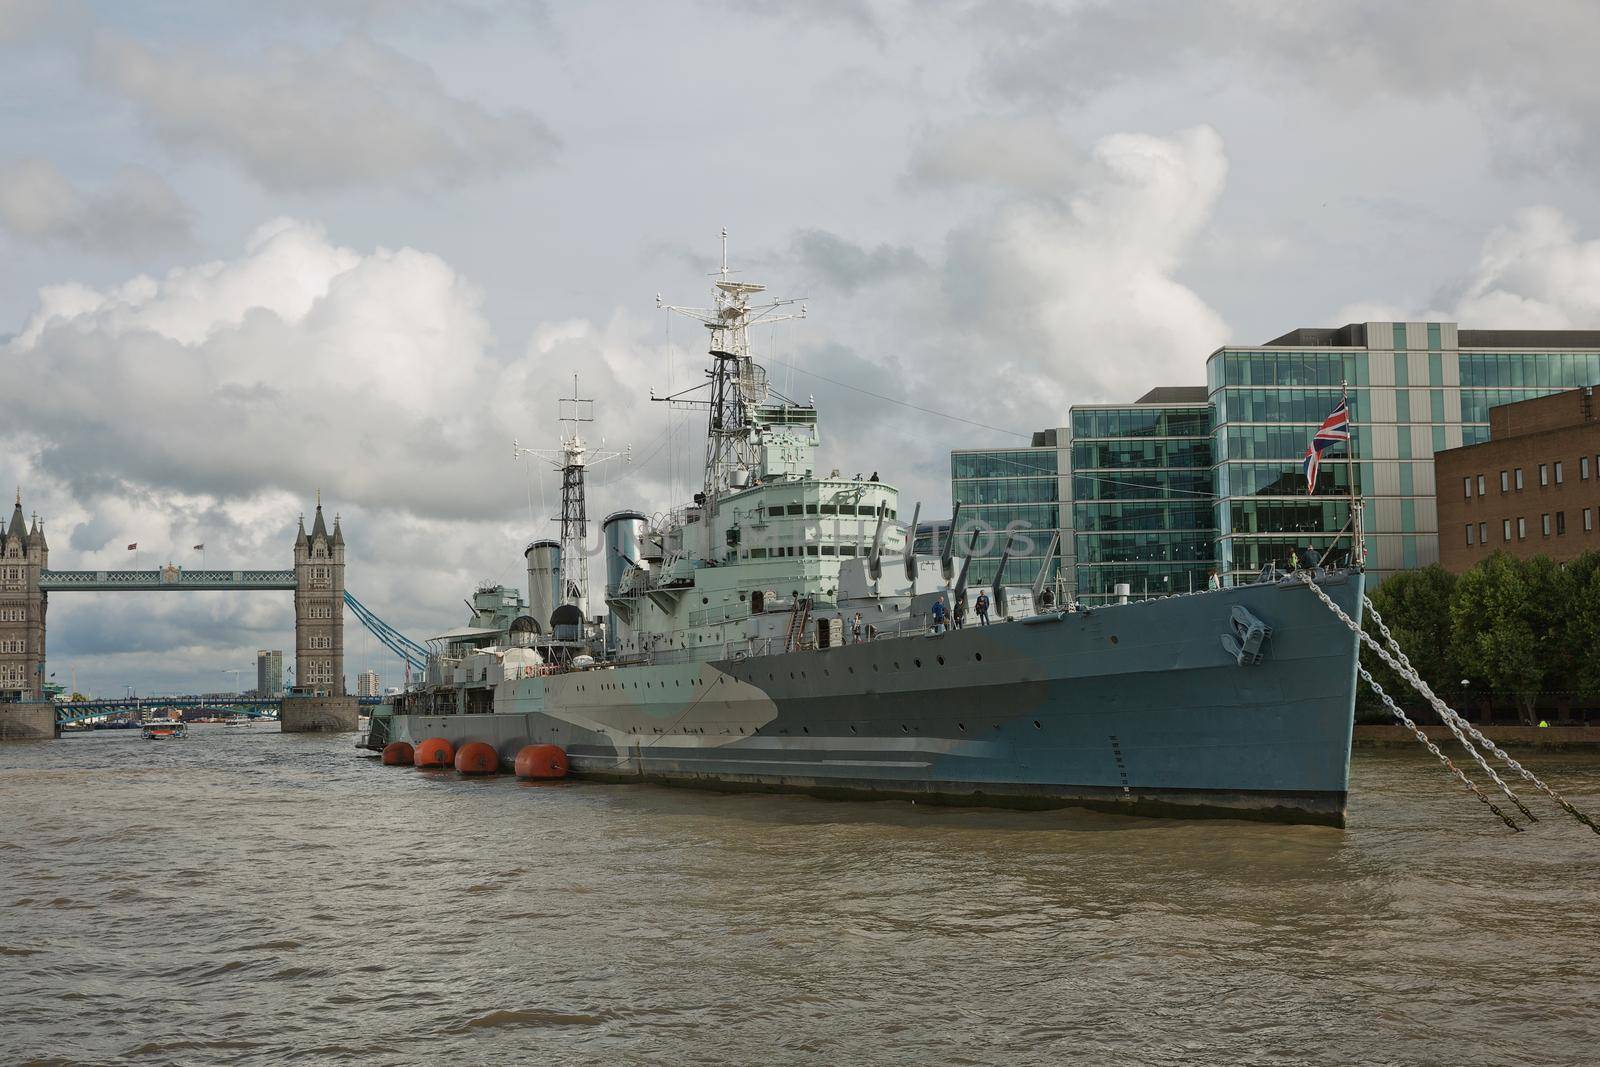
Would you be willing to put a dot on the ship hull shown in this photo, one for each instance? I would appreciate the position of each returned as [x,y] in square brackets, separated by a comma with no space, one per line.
[1135,708]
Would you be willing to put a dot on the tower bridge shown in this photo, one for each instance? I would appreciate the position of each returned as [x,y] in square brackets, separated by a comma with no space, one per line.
[319,701]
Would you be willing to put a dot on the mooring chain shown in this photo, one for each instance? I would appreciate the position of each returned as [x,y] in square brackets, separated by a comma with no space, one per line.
[1450,721]
[1426,740]
[1445,711]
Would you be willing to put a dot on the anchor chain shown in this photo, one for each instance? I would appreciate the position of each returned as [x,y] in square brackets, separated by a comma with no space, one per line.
[1405,719]
[1449,720]
[1446,712]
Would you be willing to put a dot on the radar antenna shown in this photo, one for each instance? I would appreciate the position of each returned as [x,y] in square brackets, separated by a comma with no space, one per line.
[571,459]
[738,383]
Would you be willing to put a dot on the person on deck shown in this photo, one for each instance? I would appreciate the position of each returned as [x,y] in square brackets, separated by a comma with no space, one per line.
[960,613]
[855,628]
[983,608]
[938,616]
[1215,581]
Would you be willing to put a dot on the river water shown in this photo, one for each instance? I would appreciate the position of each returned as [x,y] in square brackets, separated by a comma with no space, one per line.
[249,897]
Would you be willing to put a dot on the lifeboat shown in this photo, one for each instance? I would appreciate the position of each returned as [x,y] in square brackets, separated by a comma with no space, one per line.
[476,757]
[541,762]
[434,752]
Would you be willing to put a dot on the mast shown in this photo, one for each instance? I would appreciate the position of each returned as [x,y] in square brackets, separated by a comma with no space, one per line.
[1358,538]
[571,459]
[737,382]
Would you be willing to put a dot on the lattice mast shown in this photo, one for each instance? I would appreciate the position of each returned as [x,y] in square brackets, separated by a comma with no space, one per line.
[737,382]
[571,459]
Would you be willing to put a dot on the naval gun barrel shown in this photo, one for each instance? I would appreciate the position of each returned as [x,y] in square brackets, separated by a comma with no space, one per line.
[911,544]
[947,554]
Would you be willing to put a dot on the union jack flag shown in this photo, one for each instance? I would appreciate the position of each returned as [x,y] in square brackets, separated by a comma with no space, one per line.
[1334,429]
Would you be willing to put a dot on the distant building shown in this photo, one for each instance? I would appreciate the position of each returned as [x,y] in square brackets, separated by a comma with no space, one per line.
[1532,489]
[1158,492]
[269,673]
[367,684]
[929,537]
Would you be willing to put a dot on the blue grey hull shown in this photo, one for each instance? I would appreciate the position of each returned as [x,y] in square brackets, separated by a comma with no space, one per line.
[1135,708]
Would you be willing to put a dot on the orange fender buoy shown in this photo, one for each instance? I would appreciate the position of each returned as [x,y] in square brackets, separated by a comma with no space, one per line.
[475,757]
[541,761]
[434,752]
[398,754]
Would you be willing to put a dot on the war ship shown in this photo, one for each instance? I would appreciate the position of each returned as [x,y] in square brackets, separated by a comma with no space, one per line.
[780,633]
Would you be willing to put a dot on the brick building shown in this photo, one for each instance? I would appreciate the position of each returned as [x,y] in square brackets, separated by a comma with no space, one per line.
[1532,489]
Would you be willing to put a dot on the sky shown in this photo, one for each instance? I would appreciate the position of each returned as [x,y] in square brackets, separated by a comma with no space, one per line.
[249,252]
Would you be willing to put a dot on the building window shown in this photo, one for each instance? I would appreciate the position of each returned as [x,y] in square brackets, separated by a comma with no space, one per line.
[1469,533]
[1588,520]
[1480,485]
[1519,479]
[1522,528]
[1558,472]
[1483,533]
[1504,485]
[1544,474]
[1544,524]
[1561,523]
[1466,487]
[1505,532]
[1583,468]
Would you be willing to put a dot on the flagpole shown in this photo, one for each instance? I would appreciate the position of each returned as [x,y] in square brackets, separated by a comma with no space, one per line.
[1357,541]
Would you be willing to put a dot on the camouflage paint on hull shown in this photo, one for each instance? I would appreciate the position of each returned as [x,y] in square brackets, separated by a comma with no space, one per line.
[1135,708]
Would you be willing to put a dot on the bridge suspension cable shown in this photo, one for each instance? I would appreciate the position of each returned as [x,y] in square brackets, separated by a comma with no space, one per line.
[414,654]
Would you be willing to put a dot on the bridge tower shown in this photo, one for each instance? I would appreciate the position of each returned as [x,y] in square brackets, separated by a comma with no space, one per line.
[319,607]
[23,554]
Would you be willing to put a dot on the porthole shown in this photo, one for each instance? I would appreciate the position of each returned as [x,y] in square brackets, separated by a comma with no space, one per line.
[904,728]
[941,661]
[978,656]
[852,729]
[703,600]
[791,675]
[805,729]
[917,662]
[961,726]
[1113,639]
[896,664]
[1037,725]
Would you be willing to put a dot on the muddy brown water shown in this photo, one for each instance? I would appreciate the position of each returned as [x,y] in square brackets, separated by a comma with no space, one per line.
[249,897]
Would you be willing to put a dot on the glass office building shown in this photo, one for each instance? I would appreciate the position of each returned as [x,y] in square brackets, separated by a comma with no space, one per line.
[1158,492]
[1415,388]
[1140,496]
[1020,488]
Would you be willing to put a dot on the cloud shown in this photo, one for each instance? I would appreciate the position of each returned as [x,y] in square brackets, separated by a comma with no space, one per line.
[847,267]
[356,114]
[300,363]
[1073,298]
[1029,153]
[134,212]
[1541,110]
[1535,273]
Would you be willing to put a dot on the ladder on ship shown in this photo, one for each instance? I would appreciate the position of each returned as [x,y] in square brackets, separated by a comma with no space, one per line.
[799,619]
[1470,737]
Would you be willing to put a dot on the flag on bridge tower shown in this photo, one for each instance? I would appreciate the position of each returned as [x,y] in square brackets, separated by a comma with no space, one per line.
[133,547]
[199,548]
[1334,429]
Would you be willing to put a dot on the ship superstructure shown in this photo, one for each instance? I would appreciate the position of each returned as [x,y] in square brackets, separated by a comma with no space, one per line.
[778,632]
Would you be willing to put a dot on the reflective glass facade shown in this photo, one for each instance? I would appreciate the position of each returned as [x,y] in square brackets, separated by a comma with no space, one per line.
[1018,487]
[1142,499]
[1157,494]
[1415,389]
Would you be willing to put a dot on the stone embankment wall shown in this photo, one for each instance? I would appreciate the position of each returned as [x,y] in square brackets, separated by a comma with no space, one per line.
[1505,736]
